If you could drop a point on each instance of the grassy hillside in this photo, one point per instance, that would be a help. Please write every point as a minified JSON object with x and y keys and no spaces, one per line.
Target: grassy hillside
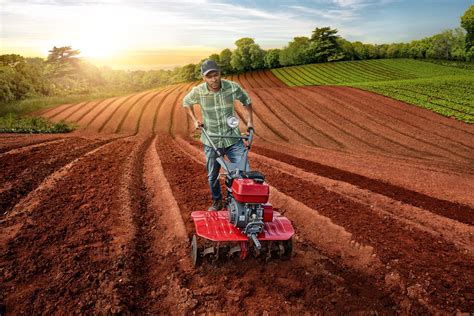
{"x":446,"y":90}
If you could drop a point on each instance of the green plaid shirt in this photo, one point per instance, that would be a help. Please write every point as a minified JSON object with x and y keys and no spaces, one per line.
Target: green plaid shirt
{"x":216,"y":107}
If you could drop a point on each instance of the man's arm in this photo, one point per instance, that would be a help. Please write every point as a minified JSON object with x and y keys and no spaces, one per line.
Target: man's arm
{"x":189,"y":101}
{"x":244,"y":98}
{"x":190,"y":112}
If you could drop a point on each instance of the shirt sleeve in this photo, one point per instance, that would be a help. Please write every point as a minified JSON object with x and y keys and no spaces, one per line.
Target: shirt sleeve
{"x":191,"y":98}
{"x":242,"y":96}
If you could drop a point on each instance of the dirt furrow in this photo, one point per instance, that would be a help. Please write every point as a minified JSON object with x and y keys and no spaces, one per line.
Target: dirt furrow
{"x":165,"y":111}
{"x":261,"y":83}
{"x":146,"y":122}
{"x":264,"y":81}
{"x":275,"y":80}
{"x":412,"y":138}
{"x":83,"y":111}
{"x":450,"y":230}
{"x":180,"y":122}
{"x":298,"y":116}
{"x":332,"y":127}
{"x":101,"y":117}
{"x":21,"y":141}
{"x":353,"y":135}
{"x":456,"y":211}
{"x":160,"y":104}
{"x":277,"y":123}
{"x":68,"y":255}
{"x":53,"y":112}
{"x":262,"y":126}
{"x":288,"y":120}
{"x":442,"y":123}
{"x":430,"y":266}
{"x":22,"y":172}
{"x":64,"y":115}
{"x":383,"y":109}
{"x":111,"y":123}
{"x":129,"y":121}
{"x":159,"y":257}
{"x":87,"y":118}
{"x":432,"y":178}
{"x":241,"y":81}
{"x":248,"y":82}
{"x":356,"y":124}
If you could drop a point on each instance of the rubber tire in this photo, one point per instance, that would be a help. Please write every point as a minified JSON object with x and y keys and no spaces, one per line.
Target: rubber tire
{"x":195,"y":252}
{"x":288,"y":245}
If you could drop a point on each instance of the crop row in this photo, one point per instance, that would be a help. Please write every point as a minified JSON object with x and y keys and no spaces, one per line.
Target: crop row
{"x":342,"y":73}
{"x":450,"y":96}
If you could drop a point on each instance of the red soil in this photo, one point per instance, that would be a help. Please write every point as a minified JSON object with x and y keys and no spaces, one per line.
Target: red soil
{"x":379,"y":192}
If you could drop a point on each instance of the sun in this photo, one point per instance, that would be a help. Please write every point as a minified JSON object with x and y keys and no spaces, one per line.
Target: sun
{"x":104,"y":34}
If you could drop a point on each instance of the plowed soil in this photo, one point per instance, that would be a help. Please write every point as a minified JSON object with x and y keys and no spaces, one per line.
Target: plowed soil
{"x":379,"y":193}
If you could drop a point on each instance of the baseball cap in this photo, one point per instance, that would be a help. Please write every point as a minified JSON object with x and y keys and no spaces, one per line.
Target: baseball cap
{"x":208,"y":66}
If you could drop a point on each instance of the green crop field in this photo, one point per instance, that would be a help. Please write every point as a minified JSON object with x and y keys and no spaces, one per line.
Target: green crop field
{"x":450,"y":96}
{"x":446,"y":90}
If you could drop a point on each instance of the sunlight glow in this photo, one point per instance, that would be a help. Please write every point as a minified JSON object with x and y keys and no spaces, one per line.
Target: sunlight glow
{"x":104,"y":33}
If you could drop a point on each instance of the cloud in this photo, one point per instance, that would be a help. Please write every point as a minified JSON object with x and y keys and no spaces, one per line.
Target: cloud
{"x":327,"y":14}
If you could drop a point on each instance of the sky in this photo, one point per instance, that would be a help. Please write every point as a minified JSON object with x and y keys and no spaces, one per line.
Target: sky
{"x":147,"y":34}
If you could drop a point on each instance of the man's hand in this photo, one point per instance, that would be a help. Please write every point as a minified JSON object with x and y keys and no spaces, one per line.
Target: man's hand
{"x":198,"y":125}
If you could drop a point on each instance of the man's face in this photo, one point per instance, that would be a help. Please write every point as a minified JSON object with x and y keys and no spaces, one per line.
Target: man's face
{"x":213,"y":79}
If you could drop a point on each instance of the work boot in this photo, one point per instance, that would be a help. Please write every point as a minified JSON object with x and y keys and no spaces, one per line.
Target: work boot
{"x":216,"y":205}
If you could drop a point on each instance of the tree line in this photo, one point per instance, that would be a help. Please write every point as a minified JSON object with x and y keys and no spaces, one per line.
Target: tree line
{"x":63,"y":72}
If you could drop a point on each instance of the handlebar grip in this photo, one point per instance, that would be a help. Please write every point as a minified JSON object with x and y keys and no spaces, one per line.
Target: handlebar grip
{"x":250,"y":139}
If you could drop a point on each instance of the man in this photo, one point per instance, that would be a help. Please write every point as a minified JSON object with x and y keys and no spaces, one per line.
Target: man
{"x":216,"y":98}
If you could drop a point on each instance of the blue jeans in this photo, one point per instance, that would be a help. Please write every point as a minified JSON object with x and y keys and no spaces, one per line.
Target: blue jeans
{"x":233,"y":152}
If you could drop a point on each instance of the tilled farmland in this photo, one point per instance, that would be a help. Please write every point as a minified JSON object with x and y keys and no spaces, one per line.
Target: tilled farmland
{"x":379,"y":193}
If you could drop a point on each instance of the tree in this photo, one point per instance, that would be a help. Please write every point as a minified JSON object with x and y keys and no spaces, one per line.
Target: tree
{"x":62,"y":61}
{"x":197,"y":70}
{"x":443,"y":45}
{"x":295,"y":52}
{"x":372,"y":52}
{"x":467,"y":22}
{"x":360,"y":51}
{"x":247,"y":55}
{"x":382,"y":49}
{"x":347,"y":49}
{"x":214,"y":57}
{"x":186,"y":73}
{"x":224,"y":61}
{"x":22,"y":77}
{"x":257,"y":56}
{"x":272,"y":58}
{"x":324,"y":45}
{"x":418,"y":48}
{"x":11,"y":60}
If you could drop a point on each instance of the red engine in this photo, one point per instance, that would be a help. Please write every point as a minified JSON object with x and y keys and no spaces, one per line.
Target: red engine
{"x":249,"y":191}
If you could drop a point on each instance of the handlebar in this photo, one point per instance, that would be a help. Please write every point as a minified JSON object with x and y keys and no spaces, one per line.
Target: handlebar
{"x":248,"y":138}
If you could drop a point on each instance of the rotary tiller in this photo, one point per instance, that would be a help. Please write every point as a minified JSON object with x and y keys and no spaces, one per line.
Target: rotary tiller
{"x":247,"y":224}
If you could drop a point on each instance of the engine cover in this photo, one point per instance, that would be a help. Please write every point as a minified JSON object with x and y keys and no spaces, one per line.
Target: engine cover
{"x":249,"y":191}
